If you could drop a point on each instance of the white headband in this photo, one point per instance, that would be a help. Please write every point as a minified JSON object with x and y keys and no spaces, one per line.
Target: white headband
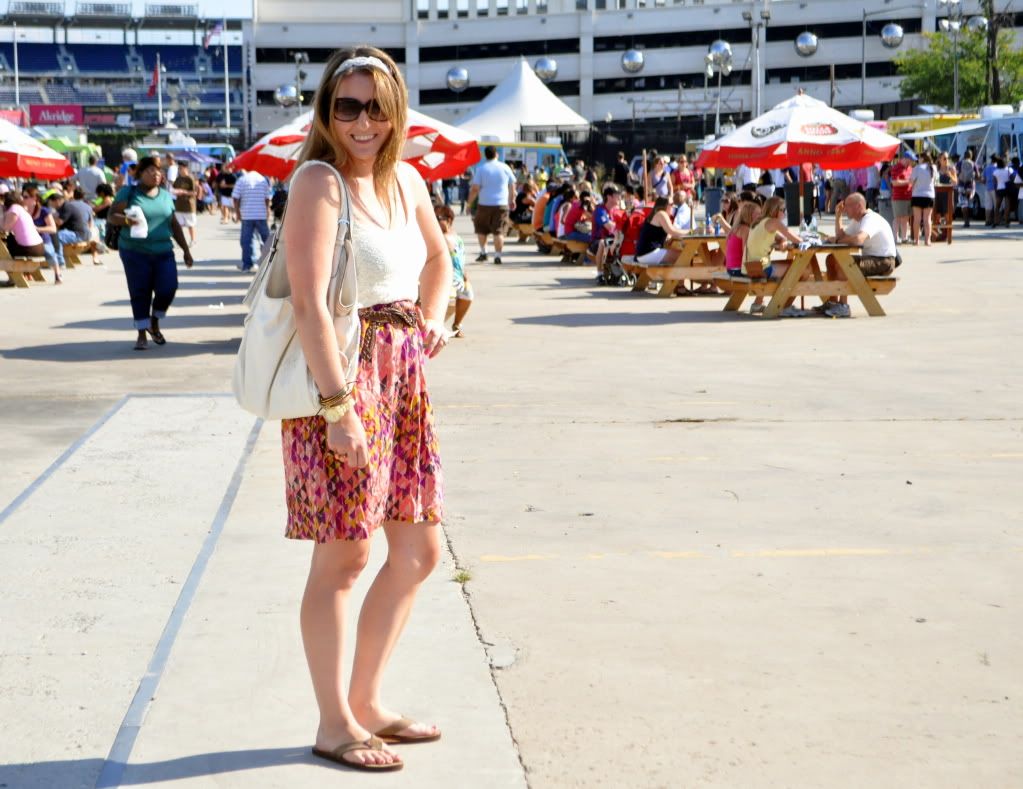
{"x":362,"y":62}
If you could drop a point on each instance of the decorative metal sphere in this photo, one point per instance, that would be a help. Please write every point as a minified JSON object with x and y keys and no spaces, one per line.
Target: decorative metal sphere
{"x":287,"y":96}
{"x":977,"y":24}
{"x":632,"y":61}
{"x":892,"y":35}
{"x":720,"y":51}
{"x":806,"y":44}
{"x":458,"y":78}
{"x":546,"y":69}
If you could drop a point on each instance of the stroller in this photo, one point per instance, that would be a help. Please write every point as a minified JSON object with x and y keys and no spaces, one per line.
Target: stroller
{"x":612,"y":272}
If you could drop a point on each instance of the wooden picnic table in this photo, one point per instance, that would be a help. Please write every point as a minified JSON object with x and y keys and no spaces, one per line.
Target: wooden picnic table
{"x":696,"y":261}
{"x":791,"y":284}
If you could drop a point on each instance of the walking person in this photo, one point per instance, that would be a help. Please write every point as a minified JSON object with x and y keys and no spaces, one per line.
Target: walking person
{"x":186,"y":196}
{"x":494,"y":184}
{"x":91,"y":177}
{"x":149,"y":264}
{"x":252,"y":195}
{"x":462,"y":289}
{"x":370,"y":459}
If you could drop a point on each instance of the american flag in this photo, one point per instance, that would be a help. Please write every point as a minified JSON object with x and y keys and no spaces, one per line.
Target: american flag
{"x":216,"y":30}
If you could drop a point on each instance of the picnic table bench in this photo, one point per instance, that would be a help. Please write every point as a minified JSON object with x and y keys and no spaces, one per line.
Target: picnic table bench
{"x":526,"y":231}
{"x":791,"y":285}
{"x":21,"y":269}
{"x":701,"y":257}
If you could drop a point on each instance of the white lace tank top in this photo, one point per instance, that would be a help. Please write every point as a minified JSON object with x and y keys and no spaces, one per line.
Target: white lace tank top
{"x":388,"y":261}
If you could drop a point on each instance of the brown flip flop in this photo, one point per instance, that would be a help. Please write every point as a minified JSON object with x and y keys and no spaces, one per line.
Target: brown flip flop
{"x":372,"y":744}
{"x":390,"y":734}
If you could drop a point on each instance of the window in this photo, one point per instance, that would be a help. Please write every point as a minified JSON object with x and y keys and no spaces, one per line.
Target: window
{"x":422,"y":9}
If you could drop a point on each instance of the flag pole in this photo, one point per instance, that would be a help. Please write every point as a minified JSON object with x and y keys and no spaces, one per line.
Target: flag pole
{"x":159,"y":93}
{"x":227,"y":84}
{"x":17,"y":76}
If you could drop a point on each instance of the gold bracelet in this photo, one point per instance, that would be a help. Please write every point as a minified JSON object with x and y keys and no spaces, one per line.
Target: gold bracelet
{"x":337,"y":399}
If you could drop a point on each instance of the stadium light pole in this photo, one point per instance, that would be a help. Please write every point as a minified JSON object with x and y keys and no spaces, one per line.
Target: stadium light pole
{"x":863,"y":43}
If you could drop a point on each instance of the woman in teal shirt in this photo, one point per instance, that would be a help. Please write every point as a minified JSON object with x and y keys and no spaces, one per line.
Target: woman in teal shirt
{"x":149,"y":263}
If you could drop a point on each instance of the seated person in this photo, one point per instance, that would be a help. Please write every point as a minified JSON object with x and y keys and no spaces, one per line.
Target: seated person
{"x":604,"y":225}
{"x":577,"y":224}
{"x":735,"y":244}
{"x":656,"y":229}
{"x":524,"y":202}
{"x":869,"y":231}
{"x":768,"y":233}
{"x":682,"y":211}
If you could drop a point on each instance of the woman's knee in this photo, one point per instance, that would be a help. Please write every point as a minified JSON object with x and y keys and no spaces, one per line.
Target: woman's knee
{"x":339,"y":564}
{"x":415,"y":559}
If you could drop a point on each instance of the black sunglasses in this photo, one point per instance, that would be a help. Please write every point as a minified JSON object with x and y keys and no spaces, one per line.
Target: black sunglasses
{"x":347,"y":109}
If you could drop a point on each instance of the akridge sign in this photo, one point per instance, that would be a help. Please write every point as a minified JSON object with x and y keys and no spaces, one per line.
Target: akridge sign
{"x":55,"y":114}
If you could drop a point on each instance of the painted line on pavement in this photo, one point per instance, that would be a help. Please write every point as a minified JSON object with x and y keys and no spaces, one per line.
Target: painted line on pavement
{"x":117,"y":760}
{"x":33,"y":486}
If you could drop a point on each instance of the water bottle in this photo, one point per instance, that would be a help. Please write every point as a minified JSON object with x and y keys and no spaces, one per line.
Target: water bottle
{"x":706,"y":224}
{"x":813,"y":223}
{"x":803,"y":227}
{"x":717,"y":228}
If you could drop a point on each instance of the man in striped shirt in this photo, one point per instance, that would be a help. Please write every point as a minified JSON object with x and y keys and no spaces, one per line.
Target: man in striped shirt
{"x":252,"y":203}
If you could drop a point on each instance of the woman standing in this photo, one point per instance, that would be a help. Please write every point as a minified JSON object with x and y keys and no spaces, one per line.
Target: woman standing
{"x":149,"y":262}
{"x":370,"y":459}
{"x":922,"y":182}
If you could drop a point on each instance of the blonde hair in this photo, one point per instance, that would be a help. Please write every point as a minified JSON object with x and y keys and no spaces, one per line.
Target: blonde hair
{"x":392,"y":96}
{"x":772,"y":205}
{"x":745,"y":214}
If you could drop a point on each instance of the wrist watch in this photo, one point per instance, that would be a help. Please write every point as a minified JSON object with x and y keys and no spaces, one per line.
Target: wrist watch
{"x":334,"y":413}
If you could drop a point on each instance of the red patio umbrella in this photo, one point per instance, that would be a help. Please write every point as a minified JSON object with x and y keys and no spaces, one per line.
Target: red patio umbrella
{"x":22,"y":156}
{"x":435,"y":149}
{"x":799,"y":130}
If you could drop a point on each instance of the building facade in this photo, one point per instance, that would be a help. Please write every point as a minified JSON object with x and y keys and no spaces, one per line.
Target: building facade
{"x":587,"y":39}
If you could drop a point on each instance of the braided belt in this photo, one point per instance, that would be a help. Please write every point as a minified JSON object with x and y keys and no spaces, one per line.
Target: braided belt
{"x":399,"y":313}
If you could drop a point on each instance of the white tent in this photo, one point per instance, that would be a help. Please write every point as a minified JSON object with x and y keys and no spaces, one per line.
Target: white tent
{"x":520,"y":99}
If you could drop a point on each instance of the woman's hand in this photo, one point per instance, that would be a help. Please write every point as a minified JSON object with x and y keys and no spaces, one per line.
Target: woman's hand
{"x":188,"y":259}
{"x":346,"y":438}
{"x":435,"y":336}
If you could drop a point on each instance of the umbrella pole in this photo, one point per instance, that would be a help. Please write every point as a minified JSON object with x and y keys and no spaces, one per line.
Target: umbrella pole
{"x":646,"y":179}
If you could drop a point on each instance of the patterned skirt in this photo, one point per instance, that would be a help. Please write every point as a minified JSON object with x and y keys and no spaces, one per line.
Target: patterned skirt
{"x":328,"y":499}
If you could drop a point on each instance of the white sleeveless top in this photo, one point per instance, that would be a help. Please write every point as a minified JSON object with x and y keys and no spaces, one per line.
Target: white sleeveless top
{"x":388,"y":262}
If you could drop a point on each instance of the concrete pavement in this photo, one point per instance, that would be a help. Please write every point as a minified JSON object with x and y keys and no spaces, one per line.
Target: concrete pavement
{"x":706,"y":550}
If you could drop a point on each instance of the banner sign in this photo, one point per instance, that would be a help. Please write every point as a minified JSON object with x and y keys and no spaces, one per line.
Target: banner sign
{"x":103,"y":116}
{"x":17,"y":117}
{"x":55,"y":114}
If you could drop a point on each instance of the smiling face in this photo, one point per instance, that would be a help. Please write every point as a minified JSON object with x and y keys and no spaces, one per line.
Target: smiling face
{"x":362,"y":137}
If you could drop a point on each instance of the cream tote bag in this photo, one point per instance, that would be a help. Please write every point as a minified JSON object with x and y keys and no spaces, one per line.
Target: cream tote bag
{"x":271,"y":378}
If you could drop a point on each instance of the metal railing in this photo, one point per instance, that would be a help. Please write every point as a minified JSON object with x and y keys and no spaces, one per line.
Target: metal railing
{"x":103,"y":9}
{"x":172,"y":10}
{"x":22,"y":7}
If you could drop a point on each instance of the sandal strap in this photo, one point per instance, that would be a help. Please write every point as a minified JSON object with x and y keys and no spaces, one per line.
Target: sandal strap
{"x":394,"y":728}
{"x":374,"y":743}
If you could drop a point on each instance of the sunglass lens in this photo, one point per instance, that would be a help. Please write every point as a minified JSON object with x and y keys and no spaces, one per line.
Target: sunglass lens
{"x":350,"y":109}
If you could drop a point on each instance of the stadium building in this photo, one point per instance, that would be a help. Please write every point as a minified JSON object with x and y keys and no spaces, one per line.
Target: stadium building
{"x":636,"y":68}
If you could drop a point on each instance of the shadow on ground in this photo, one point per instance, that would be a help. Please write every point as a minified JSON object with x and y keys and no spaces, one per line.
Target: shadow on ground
{"x":84,"y":772}
{"x":111,"y":350}
{"x":631,"y":319}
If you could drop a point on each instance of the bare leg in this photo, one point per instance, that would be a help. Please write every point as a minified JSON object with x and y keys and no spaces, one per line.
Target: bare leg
{"x":498,"y":243}
{"x":461,"y":308}
{"x":482,"y":238}
{"x":925,"y":215}
{"x":413,"y":550}
{"x":917,"y":219}
{"x":335,"y":567}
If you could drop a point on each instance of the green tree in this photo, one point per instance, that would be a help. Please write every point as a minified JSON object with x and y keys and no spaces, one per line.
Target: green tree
{"x":927,"y":73}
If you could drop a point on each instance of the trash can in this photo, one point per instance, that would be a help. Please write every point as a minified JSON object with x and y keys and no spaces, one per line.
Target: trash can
{"x":792,"y":203}
{"x":712,"y":200}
